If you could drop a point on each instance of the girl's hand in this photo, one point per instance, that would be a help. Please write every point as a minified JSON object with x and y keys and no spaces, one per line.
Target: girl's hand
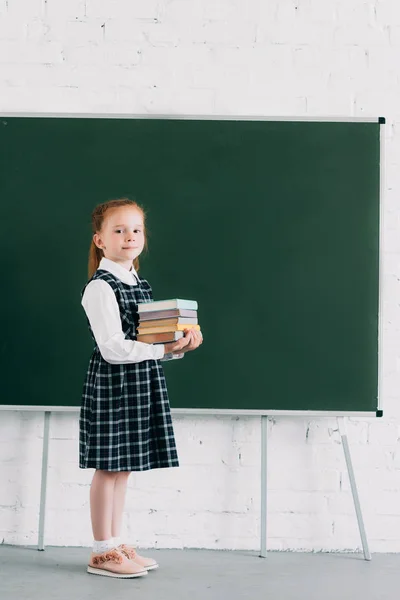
{"x":178,"y":346}
{"x":190,"y":341}
{"x":195,"y":339}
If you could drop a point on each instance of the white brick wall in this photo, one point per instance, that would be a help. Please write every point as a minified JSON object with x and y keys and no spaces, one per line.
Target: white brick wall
{"x":281,"y":57}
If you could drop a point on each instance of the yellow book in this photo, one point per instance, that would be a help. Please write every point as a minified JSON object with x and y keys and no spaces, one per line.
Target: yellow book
{"x":177,"y":327}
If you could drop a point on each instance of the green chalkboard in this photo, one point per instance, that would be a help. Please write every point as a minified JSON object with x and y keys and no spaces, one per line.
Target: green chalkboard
{"x":272,"y":226}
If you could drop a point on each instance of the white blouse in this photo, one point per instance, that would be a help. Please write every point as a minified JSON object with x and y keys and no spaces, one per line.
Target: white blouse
{"x":102,"y":310}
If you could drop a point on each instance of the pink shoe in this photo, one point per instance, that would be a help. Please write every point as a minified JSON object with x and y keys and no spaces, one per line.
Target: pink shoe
{"x":130,"y":552}
{"x":114,"y":563}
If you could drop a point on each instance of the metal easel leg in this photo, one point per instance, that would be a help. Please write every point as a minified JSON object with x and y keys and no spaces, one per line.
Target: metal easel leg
{"x":45,"y":457}
{"x":345,"y":442}
{"x":264,"y":424}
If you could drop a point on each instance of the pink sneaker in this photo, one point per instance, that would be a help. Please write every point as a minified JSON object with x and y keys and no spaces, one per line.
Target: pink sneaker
{"x":130,"y":552}
{"x":114,"y":563}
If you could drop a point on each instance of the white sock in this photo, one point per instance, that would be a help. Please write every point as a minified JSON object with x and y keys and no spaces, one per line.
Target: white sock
{"x":117,"y":541}
{"x":103,"y":546}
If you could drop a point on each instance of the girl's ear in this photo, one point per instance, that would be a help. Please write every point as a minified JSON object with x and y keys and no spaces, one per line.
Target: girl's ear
{"x":97,"y":241}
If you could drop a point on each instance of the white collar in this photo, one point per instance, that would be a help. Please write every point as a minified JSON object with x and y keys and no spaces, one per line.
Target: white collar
{"x":119,"y":271}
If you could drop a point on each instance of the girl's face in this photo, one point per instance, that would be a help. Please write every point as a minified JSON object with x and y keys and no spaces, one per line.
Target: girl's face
{"x":122,"y":235}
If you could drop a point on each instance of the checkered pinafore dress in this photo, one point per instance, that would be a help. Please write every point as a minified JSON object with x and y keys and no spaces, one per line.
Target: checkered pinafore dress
{"x":125,"y":420}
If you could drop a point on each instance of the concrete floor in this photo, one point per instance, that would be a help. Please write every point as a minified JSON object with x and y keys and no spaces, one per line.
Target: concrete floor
{"x":60,"y":574}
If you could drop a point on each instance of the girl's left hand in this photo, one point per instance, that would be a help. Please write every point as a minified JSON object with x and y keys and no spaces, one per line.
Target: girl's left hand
{"x":195,"y":338}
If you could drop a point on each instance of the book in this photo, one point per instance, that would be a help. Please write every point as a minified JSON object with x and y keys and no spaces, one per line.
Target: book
{"x":160,"y":338}
{"x":167,"y":328}
{"x":166,"y":314}
{"x":167,"y":305}
{"x":165,"y":322}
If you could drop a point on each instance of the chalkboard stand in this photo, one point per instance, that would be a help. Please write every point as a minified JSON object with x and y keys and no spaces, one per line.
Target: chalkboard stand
{"x":264,"y":425}
{"x":356,"y":500}
{"x":43,"y":489}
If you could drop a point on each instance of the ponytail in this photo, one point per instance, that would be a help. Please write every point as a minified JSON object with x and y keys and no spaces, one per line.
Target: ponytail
{"x":95,"y":256}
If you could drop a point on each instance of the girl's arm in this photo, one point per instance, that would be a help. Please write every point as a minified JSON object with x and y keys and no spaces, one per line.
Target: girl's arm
{"x":102,"y":310}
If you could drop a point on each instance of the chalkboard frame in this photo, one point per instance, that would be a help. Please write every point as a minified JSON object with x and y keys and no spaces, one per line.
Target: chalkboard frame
{"x":244,"y":412}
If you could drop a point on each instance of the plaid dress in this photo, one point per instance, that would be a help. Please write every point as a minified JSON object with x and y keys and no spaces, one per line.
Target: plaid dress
{"x":125,"y":420}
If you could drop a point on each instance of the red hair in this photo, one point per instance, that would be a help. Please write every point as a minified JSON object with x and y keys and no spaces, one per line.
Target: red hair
{"x":99,"y":214}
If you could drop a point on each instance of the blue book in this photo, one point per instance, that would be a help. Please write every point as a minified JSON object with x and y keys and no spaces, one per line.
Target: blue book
{"x":167,"y":305}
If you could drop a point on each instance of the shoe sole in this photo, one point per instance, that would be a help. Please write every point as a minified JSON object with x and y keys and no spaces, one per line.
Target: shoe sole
{"x":106,"y":573}
{"x":152,"y":567}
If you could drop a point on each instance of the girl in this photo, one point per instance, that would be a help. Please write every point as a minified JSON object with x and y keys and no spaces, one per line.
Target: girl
{"x":125,"y":421}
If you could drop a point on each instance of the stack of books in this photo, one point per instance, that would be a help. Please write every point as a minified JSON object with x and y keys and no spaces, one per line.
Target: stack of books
{"x":163,"y":321}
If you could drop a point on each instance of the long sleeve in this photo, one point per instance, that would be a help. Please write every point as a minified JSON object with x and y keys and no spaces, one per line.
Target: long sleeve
{"x":102,"y":310}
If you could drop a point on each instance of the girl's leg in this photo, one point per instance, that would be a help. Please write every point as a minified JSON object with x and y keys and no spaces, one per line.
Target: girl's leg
{"x":120,"y":486}
{"x":101,"y":503}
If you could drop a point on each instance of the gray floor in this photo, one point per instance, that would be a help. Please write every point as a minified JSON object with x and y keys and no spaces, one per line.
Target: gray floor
{"x":60,"y":574}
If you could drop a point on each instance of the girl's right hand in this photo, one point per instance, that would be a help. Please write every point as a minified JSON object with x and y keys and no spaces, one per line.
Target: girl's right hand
{"x":178,"y":346}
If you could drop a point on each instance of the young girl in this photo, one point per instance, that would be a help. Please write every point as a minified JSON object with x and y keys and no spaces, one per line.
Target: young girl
{"x":125,"y":419}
